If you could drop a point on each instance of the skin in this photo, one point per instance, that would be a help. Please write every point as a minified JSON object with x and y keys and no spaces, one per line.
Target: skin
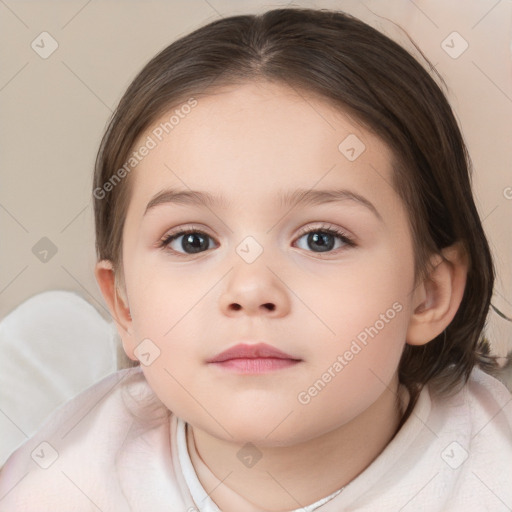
{"x":248,"y":143}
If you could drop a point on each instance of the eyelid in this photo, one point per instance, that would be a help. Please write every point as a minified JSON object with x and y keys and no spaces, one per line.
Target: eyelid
{"x":169,"y":236}
{"x":323,"y":226}
{"x":347,"y":239}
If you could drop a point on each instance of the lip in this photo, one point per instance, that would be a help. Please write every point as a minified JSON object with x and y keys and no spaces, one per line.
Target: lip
{"x":246,"y":351}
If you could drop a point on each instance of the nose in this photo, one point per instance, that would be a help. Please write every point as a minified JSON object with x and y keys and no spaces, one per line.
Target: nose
{"x":254,"y":290}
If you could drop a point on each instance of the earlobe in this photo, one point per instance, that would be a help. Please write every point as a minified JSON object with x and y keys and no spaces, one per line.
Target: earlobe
{"x":117,"y":304}
{"x":437,"y":299}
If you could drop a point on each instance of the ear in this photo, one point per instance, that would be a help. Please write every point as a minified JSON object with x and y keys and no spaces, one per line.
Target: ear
{"x":437,"y":299}
{"x":117,"y":304}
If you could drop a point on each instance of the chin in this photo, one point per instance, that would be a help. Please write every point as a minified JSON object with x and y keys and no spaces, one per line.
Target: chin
{"x":262,"y":431}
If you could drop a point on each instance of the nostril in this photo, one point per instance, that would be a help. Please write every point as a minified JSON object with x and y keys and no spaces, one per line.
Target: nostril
{"x":268,"y":305}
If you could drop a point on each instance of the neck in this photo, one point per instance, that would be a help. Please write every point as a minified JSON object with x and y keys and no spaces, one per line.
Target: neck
{"x":290,"y":477}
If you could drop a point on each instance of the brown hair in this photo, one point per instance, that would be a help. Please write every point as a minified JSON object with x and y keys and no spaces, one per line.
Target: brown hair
{"x":368,"y":76}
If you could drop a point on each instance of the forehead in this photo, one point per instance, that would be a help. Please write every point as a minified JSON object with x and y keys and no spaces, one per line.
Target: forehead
{"x":243,"y":142}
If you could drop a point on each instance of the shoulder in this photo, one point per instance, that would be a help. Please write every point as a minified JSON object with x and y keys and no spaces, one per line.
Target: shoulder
{"x":483,"y":400}
{"x":480,"y":414}
{"x":490,"y":403}
{"x":79,"y":445}
{"x":478,"y":438}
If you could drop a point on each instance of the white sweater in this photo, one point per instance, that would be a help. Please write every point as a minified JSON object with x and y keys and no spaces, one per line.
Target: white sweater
{"x":115,"y":447}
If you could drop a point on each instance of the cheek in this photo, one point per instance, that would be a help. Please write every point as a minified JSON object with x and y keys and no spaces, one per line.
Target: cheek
{"x":164,"y":297}
{"x":355,"y":370}
{"x":370,"y":289}
{"x":367,"y":310}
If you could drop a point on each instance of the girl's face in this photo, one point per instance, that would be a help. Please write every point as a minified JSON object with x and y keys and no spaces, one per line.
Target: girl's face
{"x":261,"y":267}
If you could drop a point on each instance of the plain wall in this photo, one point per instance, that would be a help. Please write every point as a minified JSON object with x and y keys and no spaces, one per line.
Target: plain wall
{"x":54,"y":110}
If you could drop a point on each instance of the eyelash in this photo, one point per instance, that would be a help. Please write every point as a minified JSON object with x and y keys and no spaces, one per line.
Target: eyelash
{"x":324,"y":228}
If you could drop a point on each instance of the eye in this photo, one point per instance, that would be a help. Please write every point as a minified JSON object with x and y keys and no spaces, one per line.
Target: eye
{"x":324,"y":239}
{"x":193,"y":241}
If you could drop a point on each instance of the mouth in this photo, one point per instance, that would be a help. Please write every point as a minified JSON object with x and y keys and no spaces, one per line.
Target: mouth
{"x":253,"y":359}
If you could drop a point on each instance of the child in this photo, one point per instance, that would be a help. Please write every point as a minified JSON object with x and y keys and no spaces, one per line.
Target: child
{"x":288,"y":244}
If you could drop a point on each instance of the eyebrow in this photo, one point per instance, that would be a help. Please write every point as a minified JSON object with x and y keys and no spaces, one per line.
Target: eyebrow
{"x":299,"y":197}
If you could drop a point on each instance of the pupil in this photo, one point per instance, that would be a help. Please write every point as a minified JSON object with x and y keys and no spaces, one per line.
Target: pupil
{"x":195,"y":245}
{"x":322,"y":240}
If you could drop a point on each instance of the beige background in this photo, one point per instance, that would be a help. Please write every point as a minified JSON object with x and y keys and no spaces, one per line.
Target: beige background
{"x":54,"y":111}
